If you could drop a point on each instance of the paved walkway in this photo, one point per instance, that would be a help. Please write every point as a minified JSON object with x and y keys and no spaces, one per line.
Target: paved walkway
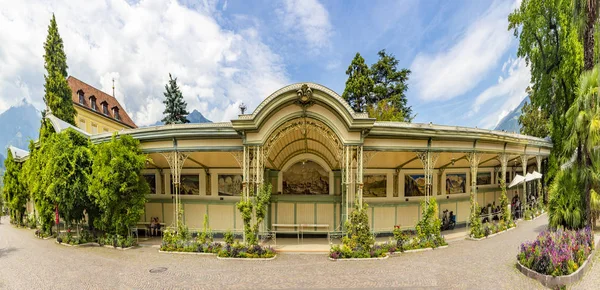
{"x":29,"y":263}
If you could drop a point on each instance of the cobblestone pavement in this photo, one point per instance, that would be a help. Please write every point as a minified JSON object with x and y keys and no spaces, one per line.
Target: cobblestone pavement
{"x":30,"y":263}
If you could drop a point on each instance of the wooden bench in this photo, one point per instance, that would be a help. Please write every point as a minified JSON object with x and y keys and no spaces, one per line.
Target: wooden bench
{"x":295,"y":228}
{"x":303,"y":228}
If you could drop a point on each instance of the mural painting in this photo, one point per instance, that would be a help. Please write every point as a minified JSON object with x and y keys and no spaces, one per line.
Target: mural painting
{"x":151,"y":180}
{"x":414,"y":185}
{"x":456,"y":183}
{"x":306,"y":178}
{"x":375,"y":185}
{"x":230,"y":184}
{"x":484,"y":178}
{"x":190,"y":184}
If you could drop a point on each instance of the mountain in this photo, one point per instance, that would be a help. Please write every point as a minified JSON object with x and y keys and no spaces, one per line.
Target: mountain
{"x":197,"y":117}
{"x":510,"y":123}
{"x":18,"y":125}
{"x":193,"y":117}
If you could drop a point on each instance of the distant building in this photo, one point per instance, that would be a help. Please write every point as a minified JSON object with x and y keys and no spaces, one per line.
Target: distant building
{"x":97,"y":111}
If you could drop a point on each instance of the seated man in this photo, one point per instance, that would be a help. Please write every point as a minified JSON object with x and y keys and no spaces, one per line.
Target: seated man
{"x":152,"y":226}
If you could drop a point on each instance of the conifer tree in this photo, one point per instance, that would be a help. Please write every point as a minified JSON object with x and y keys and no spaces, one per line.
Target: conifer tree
{"x":359,"y":84}
{"x":175,"y":107}
{"x":57,"y":93}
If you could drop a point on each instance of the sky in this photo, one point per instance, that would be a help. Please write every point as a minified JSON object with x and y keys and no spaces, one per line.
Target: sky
{"x":462,"y":57}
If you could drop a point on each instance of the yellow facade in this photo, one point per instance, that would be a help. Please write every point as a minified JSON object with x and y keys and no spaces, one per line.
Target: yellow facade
{"x":94,"y":123}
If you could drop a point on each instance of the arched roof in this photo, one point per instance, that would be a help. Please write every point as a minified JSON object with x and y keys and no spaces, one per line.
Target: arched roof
{"x":291,"y":94}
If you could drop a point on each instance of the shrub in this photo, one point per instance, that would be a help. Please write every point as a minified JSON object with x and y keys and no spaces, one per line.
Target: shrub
{"x":254,"y":210}
{"x":238,"y":250}
{"x":228,"y":237}
{"x":557,"y":253}
{"x":428,"y":229}
{"x":206,"y":232}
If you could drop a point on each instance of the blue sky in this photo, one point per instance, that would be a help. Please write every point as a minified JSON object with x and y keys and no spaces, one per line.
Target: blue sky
{"x":463,"y":58}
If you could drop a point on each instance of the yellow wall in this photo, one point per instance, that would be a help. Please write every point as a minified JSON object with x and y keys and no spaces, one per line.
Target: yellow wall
{"x":86,"y":120}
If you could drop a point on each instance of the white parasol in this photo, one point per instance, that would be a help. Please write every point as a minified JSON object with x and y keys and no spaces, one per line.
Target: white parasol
{"x":517,"y":180}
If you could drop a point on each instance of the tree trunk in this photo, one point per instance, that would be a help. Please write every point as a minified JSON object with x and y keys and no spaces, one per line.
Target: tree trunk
{"x":588,"y":34}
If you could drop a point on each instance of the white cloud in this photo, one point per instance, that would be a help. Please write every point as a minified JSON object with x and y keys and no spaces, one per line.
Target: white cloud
{"x":307,"y":19}
{"x":511,"y":89}
{"x":139,"y":45}
{"x":447,"y":74}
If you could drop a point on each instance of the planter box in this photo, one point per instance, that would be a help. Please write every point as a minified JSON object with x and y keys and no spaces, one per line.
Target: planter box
{"x":359,"y":259}
{"x":501,"y":232}
{"x":248,"y":259}
{"x":555,"y":282}
{"x":187,"y":253}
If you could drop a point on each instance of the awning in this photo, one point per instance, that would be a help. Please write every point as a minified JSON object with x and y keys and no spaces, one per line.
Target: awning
{"x":517,"y":180}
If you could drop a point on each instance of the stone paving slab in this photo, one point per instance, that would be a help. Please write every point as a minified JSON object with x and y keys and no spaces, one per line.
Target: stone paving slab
{"x":30,"y":263}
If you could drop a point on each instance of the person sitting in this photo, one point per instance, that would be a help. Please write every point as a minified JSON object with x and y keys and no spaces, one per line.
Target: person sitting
{"x":157,"y":226}
{"x":152,"y":226}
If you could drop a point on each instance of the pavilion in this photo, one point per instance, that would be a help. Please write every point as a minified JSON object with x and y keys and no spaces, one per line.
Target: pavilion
{"x":321,"y":157}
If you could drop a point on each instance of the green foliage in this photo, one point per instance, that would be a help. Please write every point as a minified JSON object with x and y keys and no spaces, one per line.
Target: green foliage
{"x":476,"y":230}
{"x":548,"y":40}
{"x":57,"y":93}
{"x":379,"y":90}
{"x":533,"y":121}
{"x":175,"y":106}
{"x":206,"y":234}
{"x":506,"y":216}
{"x":390,"y":86}
{"x":429,"y":227}
{"x":228,"y":238}
{"x":583,"y":125}
{"x":565,"y":207}
{"x":257,"y":205}
{"x":117,"y":186}
{"x":237,"y":250}
{"x":14,"y":190}
{"x":359,"y":84}
{"x":383,"y":111}
{"x":67,"y":173}
{"x":358,"y":233}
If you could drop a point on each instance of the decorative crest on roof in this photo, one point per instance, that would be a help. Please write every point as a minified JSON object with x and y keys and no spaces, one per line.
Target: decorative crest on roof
{"x":304,"y":96}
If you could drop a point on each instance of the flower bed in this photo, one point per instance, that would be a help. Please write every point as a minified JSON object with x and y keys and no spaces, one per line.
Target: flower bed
{"x":345,"y":252}
{"x":237,"y":250}
{"x":557,"y":253}
{"x":491,"y":229}
{"x":191,"y":246}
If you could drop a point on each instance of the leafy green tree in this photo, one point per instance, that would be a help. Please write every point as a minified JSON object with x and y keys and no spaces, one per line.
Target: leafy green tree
{"x":66,"y":173}
{"x":584,"y":126}
{"x":359,"y":84}
{"x":533,"y":121}
{"x":390,"y":86}
{"x":57,"y":93}
{"x":36,"y":184}
{"x":175,"y":106}
{"x":117,"y":185}
{"x":549,"y":42}
{"x":384,"y":111}
{"x":14,"y":192}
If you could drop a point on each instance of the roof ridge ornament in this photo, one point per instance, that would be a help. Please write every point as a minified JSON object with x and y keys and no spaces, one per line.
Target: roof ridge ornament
{"x":304,"y":96}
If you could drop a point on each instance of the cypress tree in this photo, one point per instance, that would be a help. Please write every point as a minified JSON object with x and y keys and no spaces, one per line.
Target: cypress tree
{"x":359,"y":84}
{"x":57,"y":93}
{"x":175,"y":107}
